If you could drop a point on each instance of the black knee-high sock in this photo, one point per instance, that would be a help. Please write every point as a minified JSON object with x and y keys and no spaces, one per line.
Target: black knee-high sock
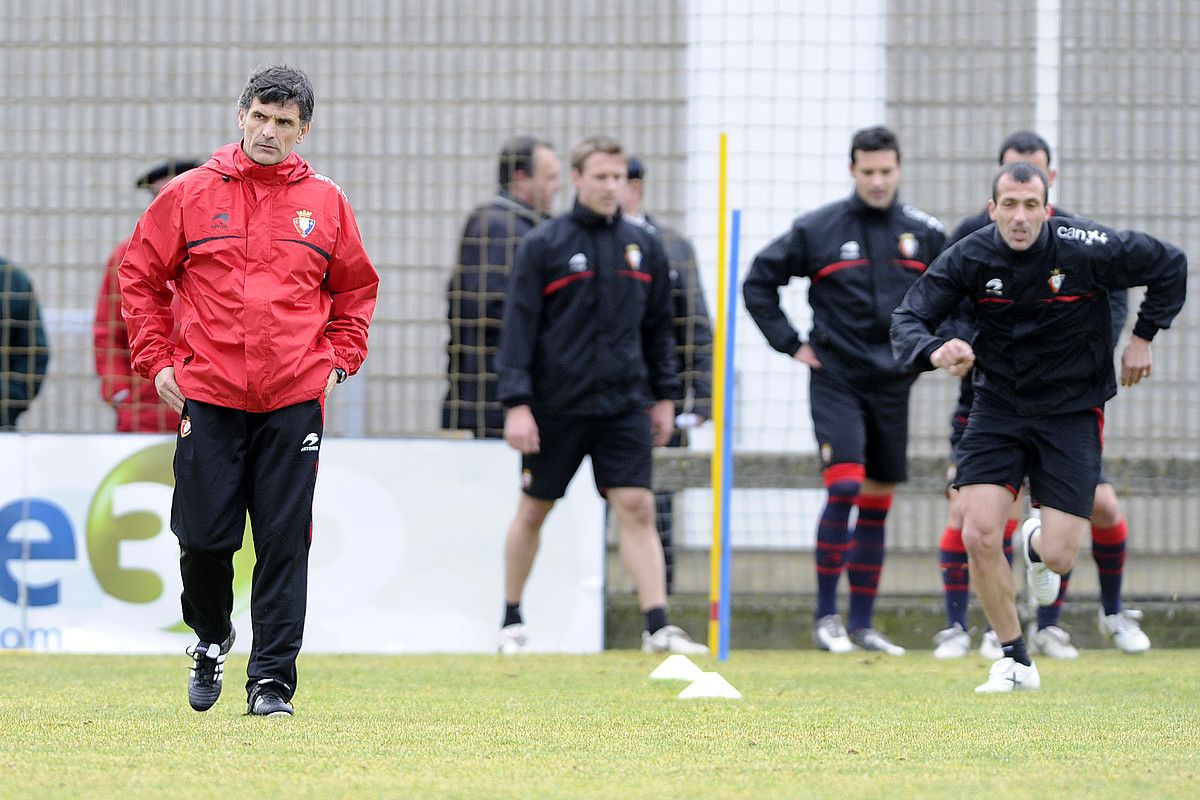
{"x":1017,"y":651}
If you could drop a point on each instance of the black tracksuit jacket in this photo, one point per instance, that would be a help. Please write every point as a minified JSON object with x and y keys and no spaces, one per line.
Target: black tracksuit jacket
{"x":1043,"y":341}
{"x":587,"y":320}
{"x":1118,"y":299}
{"x":859,"y":261}
{"x":475,"y":310}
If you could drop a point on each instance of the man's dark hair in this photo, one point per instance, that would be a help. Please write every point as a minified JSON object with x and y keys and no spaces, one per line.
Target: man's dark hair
{"x":871,"y":140}
{"x":279,"y":84}
{"x":517,"y":154}
{"x":1025,"y":143}
{"x":1021,"y":172}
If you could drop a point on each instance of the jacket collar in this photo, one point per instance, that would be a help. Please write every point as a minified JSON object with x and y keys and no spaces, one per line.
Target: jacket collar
{"x":231,"y":160}
{"x":857,"y":205}
{"x":523,"y":210}
{"x":590,"y":219}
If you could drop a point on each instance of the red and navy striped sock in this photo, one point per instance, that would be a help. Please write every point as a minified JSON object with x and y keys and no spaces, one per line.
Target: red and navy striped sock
{"x":865,"y":563}
{"x":1108,"y":549}
{"x":833,"y":539}
{"x":956,"y":580}
{"x":1051,"y":614}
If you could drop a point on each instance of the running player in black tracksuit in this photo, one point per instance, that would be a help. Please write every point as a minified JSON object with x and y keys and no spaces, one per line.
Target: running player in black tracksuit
{"x":860,"y":255}
{"x":1108,"y":526}
{"x":1042,"y":354}
{"x":585,"y":349}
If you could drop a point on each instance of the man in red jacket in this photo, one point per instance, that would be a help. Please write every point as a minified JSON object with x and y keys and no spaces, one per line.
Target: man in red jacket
{"x":275,"y":295}
{"x":135,"y":399}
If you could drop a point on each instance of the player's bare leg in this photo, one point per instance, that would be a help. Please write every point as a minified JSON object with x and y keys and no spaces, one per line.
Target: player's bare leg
{"x":985,"y":509}
{"x":641,"y":552}
{"x":1059,"y":538}
{"x":639,"y":544}
{"x":521,"y":544}
{"x":1106,"y":510}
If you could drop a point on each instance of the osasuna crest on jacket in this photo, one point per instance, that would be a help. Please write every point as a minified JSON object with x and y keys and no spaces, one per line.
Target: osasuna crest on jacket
{"x":274,"y":287}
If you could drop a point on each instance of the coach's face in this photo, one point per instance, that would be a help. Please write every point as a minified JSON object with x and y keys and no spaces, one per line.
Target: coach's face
{"x":600,"y":184}
{"x":1019,"y":211}
{"x":271,"y":131}
{"x":545,"y":180}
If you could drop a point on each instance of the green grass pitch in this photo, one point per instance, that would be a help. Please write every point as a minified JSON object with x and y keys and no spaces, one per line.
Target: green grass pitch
{"x":809,"y":725}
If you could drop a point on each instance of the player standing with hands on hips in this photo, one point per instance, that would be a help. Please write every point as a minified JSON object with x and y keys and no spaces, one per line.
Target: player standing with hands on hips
{"x":1043,"y":371}
{"x":859,"y":255}
{"x":275,"y":297}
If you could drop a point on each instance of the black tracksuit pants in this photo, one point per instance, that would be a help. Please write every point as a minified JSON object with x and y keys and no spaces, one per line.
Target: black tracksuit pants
{"x":230,"y":463}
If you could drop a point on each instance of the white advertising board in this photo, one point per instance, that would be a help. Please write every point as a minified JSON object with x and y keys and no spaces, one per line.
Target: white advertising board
{"x":407,"y":553}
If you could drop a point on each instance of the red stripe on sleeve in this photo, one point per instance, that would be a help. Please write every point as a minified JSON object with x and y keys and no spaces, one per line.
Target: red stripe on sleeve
{"x":554,"y":286}
{"x":837,"y":266}
{"x":1067,"y":298}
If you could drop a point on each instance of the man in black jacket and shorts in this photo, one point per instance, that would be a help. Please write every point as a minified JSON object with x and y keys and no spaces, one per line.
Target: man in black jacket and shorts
{"x":1109,"y":529}
{"x":587,"y":368}
{"x":859,"y":255}
{"x":1043,"y":371}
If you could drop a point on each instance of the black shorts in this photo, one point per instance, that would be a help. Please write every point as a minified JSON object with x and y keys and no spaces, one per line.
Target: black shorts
{"x":958,"y":419}
{"x":856,"y":425}
{"x":619,"y":447}
{"x":958,"y":425}
{"x":1059,"y":452}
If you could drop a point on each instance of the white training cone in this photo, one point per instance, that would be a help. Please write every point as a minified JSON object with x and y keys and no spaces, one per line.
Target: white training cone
{"x":710,"y":684}
{"x":676,"y":668}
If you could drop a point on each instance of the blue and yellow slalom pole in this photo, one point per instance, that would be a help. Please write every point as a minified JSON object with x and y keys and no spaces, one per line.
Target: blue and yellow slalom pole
{"x":716,"y":645}
{"x":721,"y":476}
{"x":727,"y":406}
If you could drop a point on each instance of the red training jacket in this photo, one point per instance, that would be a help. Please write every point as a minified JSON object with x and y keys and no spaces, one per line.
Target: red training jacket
{"x":274,"y":287}
{"x":139,"y":408}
